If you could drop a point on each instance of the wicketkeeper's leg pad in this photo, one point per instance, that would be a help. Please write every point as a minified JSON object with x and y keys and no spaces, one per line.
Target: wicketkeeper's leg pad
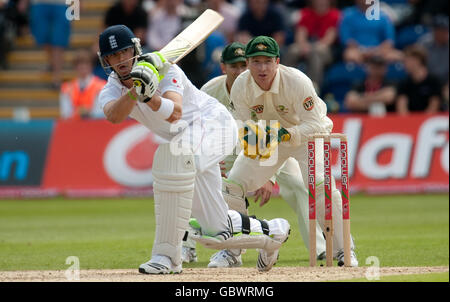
{"x":174,"y":177}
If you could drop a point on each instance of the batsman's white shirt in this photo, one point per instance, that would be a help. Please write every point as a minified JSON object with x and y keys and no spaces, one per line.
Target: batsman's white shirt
{"x":208,"y":128}
{"x":196,"y":104}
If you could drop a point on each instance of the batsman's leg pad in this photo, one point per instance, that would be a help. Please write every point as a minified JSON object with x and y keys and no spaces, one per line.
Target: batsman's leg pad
{"x":173,"y":186}
{"x":234,"y":195}
{"x":247,"y":233}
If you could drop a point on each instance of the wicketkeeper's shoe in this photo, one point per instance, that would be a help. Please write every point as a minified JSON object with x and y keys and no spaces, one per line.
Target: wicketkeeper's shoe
{"x":353,"y":259}
{"x":160,"y":264}
{"x":225,"y":258}
{"x":267,"y":258}
{"x":188,"y":254}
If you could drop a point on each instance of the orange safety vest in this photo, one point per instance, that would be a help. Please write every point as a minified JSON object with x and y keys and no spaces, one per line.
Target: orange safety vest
{"x":82,"y":99}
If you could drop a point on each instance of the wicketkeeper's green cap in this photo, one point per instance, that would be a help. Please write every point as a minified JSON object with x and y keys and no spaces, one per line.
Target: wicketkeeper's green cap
{"x":262,"y":46}
{"x":233,"y":53}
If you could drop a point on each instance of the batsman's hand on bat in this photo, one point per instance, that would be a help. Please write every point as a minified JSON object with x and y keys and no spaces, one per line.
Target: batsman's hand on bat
{"x":158,"y":60}
{"x":145,"y":79}
{"x":264,"y":193}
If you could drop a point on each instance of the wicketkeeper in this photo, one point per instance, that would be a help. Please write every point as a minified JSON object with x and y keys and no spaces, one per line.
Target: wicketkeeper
{"x":279,"y":108}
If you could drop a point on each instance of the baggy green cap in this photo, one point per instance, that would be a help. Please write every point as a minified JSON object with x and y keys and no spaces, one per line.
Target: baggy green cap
{"x":233,"y":53}
{"x":262,"y":46}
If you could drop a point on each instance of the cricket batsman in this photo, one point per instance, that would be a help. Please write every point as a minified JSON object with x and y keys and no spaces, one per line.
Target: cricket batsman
{"x":292,"y":189}
{"x":283,"y":102}
{"x":187,"y":180}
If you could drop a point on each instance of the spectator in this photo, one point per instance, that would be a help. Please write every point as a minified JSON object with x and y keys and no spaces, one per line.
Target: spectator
{"x":375,"y":95}
{"x":436,"y":44}
{"x":131,"y":14}
{"x":51,"y":30}
{"x":6,"y":33}
{"x":165,"y":23}
{"x":315,"y":34}
{"x":362,"y":37}
{"x":421,"y":91}
{"x":422,"y":11}
{"x":230,"y":14}
{"x":20,"y":16}
{"x":445,"y":97}
{"x":261,"y":19}
{"x":78,"y":98}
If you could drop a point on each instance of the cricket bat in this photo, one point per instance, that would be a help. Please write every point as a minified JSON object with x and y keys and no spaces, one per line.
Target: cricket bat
{"x":192,"y":36}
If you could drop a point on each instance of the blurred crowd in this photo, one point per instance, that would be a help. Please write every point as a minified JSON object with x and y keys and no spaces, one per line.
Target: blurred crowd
{"x":363,"y":56}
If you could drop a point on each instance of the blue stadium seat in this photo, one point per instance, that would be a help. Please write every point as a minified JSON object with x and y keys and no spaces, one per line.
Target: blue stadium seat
{"x":409,"y":35}
{"x":396,"y":72}
{"x":339,"y":79}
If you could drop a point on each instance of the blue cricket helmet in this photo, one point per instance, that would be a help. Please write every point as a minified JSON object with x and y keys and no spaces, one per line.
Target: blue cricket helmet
{"x":116,"y":38}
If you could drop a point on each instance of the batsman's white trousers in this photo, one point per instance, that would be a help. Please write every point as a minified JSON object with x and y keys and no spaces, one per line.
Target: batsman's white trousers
{"x":211,"y":139}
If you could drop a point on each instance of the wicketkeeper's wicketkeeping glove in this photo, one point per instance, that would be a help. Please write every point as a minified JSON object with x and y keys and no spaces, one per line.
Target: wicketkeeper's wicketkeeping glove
{"x":290,"y":136}
{"x":145,"y":79}
{"x":259,"y":142}
{"x":248,"y":137}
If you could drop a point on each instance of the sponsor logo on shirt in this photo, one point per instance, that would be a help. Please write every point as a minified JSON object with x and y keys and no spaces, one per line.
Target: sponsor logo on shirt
{"x":174,"y":81}
{"x":282,"y":109}
{"x":258,"y":109}
{"x":308,"y":103}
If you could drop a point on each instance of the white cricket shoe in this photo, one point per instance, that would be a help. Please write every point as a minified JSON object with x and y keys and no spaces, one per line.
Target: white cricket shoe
{"x":188,"y":254}
{"x":159,"y":264}
{"x":225,"y":258}
{"x":353,"y":259}
{"x":267,"y":258}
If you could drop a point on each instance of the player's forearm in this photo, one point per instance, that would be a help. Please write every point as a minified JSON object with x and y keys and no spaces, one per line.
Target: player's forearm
{"x":170,"y":112}
{"x":305,"y":129}
{"x":118,"y":111}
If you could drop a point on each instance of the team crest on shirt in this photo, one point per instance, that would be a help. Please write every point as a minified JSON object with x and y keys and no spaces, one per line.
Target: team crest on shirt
{"x":308,"y":103}
{"x":258,"y":109}
{"x":282,"y":109}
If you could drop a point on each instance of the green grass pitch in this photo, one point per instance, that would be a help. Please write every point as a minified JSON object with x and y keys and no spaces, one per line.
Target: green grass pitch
{"x":400,"y":230}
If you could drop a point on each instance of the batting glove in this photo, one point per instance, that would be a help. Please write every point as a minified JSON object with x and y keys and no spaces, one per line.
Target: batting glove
{"x":145,"y":79}
{"x":158,"y":60}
